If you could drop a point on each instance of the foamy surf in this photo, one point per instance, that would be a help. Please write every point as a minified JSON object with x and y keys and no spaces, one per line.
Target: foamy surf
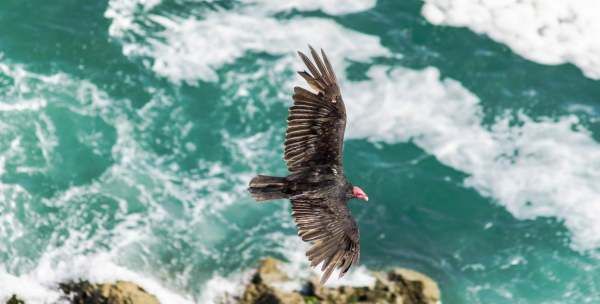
{"x":41,"y":284}
{"x":535,"y":168}
{"x":176,"y":211}
{"x":516,"y":165}
{"x":547,"y":32}
{"x":332,"y":7}
{"x":26,"y":288}
{"x":226,"y":288}
{"x":174,"y":50}
{"x":83,"y":245}
{"x":37,"y":281}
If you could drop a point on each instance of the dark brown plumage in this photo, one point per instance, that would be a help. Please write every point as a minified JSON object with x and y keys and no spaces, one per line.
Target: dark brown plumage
{"x":316,"y":186}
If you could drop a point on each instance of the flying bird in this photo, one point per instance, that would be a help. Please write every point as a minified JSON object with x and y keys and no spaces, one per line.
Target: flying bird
{"x":316,"y":185}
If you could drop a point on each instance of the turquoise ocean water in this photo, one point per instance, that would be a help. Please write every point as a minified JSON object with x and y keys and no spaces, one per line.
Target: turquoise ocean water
{"x":129,"y":131}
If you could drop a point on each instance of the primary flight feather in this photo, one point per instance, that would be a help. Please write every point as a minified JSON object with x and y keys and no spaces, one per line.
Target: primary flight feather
{"x":316,"y":186}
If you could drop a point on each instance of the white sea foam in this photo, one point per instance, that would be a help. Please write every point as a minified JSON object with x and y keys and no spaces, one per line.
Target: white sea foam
{"x":506,"y":162}
{"x":220,"y":288}
{"x":224,"y":289}
{"x":235,"y":34}
{"x":11,"y":229}
{"x":100,"y":269}
{"x":26,"y":288}
{"x":294,"y":250}
{"x":40,"y":285}
{"x":29,"y":105}
{"x":332,"y":7}
{"x":184,"y":51}
{"x":548,"y":32}
{"x":69,"y":262}
{"x":535,"y":168}
{"x":137,"y":179}
{"x":123,"y":14}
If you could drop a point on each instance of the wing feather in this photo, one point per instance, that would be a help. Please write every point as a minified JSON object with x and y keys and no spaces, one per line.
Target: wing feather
{"x":315,"y":77}
{"x":329,"y":68}
{"x":324,"y":77}
{"x":332,"y":231}
{"x":313,"y":153}
{"x":316,"y":121}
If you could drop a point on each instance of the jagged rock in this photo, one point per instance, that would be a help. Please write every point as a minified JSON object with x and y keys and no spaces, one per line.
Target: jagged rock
{"x":262,"y":289}
{"x":398,"y":286}
{"x":15,"y":300}
{"x":421,"y":288}
{"x":120,"y":292}
{"x":269,"y":272}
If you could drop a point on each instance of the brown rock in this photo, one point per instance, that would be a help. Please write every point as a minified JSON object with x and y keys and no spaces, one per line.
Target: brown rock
{"x":120,"y":292}
{"x":262,"y":289}
{"x":269,"y":272}
{"x":422,"y":288}
{"x":399,"y":286}
{"x":14,"y":300}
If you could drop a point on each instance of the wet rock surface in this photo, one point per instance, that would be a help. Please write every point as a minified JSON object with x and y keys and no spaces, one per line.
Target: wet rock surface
{"x":398,"y":286}
{"x":270,"y":284}
{"x":120,"y":292}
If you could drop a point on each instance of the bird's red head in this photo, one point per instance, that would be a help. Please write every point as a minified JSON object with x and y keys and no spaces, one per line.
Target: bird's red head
{"x":359,"y":193}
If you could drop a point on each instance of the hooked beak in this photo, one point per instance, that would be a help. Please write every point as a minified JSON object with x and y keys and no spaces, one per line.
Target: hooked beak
{"x":360,"y":194}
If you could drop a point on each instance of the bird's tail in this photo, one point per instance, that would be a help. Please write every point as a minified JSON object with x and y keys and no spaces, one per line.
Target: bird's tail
{"x":263,"y":188}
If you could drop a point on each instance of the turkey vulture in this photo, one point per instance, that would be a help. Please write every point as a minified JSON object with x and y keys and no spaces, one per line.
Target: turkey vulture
{"x":316,"y":186}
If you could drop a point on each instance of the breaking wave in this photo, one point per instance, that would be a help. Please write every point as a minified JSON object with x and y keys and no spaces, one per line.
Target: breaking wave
{"x":102,"y":228}
{"x":183,"y":52}
{"x":535,"y":168}
{"x":541,"y":167}
{"x":555,"y":32}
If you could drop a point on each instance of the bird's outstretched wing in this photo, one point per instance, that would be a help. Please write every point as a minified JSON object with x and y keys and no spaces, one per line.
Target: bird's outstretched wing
{"x":332,"y":231}
{"x":316,"y":121}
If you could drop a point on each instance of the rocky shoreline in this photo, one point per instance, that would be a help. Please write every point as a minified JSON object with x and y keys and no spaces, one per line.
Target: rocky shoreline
{"x":84,"y":292}
{"x":398,"y":286}
{"x":268,"y":286}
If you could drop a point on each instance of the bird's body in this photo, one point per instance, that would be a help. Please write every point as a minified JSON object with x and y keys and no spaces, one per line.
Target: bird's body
{"x":328,"y":187}
{"x":316,"y":186}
